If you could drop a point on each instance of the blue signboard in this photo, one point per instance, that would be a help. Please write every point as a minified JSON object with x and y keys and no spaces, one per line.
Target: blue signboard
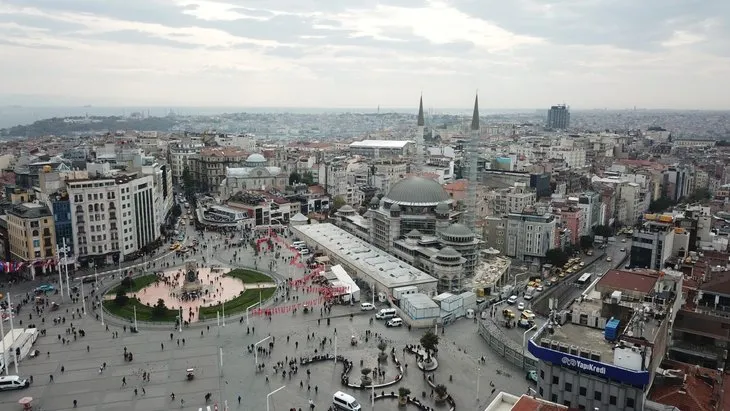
{"x":624,"y":375}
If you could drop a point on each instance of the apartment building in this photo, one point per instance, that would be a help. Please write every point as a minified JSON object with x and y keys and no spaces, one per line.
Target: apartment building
{"x":530,"y":234}
{"x":208,"y":168}
{"x":179,"y":155}
{"x":114,"y":216}
{"x":32,"y":234}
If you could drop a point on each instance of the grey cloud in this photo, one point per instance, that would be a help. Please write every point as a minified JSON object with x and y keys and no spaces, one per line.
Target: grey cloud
{"x":631,"y":24}
{"x":31,"y":45}
{"x":135,"y":37}
{"x":147,"y":11}
{"x":53,"y":26}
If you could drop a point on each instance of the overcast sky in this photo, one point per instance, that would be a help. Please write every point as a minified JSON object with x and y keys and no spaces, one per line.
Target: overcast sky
{"x":362,"y":53}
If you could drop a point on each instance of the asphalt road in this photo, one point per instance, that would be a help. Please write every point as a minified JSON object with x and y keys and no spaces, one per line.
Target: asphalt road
{"x":567,"y":290}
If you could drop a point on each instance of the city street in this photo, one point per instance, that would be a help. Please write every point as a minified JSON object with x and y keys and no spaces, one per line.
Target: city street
{"x":156,"y":353}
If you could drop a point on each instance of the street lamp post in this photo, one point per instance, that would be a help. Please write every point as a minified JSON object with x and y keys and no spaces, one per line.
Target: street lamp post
{"x":65,"y":249}
{"x":335,"y":348}
{"x":135,"y":318}
{"x":224,"y":313}
{"x":249,"y":308}
{"x":59,"y":267}
{"x":12,"y":331}
{"x":272,"y":393}
{"x":179,"y":323}
{"x":524,"y":342}
{"x":479,"y":375}
{"x":2,"y":332}
{"x":83,"y":300}
{"x":255,"y":352}
{"x":96,"y":278}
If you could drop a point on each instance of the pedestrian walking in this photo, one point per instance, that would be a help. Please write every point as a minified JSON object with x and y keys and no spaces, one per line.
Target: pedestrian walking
{"x":124,"y":381}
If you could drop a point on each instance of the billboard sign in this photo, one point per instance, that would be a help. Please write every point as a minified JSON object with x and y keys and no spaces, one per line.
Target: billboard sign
{"x":580,"y":364}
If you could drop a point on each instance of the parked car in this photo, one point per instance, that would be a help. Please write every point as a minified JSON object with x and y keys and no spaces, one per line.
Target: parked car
{"x":512,"y":299}
{"x":521,"y":306}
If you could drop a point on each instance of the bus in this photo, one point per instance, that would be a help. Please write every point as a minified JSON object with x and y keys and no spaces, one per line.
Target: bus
{"x":584,"y":278}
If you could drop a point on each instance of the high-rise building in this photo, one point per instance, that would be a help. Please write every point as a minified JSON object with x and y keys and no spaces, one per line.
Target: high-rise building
{"x":558,"y":117}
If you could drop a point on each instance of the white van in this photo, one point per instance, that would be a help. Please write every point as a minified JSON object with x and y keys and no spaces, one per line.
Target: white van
{"x":385,"y":313}
{"x":366,"y":307}
{"x":394,"y":322}
{"x":343,"y":401}
{"x":13,"y":382}
{"x":299,"y":244}
{"x":512,"y":299}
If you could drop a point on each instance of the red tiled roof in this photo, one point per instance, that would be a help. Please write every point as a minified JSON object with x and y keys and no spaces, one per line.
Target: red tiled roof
{"x":527,"y":403}
{"x":316,"y":189}
{"x":697,"y":389}
{"x":641,"y":281}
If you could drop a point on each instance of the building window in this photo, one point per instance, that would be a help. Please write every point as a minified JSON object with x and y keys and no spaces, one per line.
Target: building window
{"x":554,"y":398}
{"x":597,"y":396}
{"x":566,"y":403}
{"x":542,"y":374}
{"x":556,"y":380}
{"x":541,"y":392}
{"x":36,"y":243}
{"x":583,"y":391}
{"x":568,"y":387}
{"x":629,"y":403}
{"x":612,"y":400}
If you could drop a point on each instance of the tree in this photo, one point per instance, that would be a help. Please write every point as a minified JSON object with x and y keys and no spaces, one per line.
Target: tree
{"x":403,"y":394}
{"x":294,"y":178}
{"x":441,"y":392}
{"x":188,"y":181}
{"x":603,"y":231}
{"x":338,"y":202}
{"x":556,"y":257}
{"x":382,"y":356}
{"x":660,"y":204}
{"x":429,"y":342}
{"x":160,"y":309}
{"x":121,"y":298}
{"x":586,"y":241}
{"x":700,"y":195}
{"x":308,"y":178}
{"x":365,"y":378}
{"x":126,"y":284}
{"x":176,"y":211}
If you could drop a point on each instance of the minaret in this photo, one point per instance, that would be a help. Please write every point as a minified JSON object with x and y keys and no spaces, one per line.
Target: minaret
{"x":420,"y":159}
{"x":472,"y":157}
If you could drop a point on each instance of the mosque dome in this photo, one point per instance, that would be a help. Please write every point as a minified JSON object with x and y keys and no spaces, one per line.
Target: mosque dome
{"x":458,"y":231}
{"x":417,"y":191}
{"x":255,"y":159}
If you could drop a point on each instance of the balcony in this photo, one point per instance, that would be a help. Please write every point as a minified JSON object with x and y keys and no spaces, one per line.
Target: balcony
{"x":112,"y":216}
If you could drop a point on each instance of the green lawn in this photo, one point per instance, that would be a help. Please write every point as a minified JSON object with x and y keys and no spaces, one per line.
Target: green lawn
{"x":250,"y":276}
{"x":144,"y":312}
{"x":139,"y":283}
{"x":238,"y":304}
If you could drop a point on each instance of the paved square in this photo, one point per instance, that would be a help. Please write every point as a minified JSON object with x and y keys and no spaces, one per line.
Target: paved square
{"x":459,"y":350}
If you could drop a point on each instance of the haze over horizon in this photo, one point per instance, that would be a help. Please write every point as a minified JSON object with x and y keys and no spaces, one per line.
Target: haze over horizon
{"x":521,"y":54}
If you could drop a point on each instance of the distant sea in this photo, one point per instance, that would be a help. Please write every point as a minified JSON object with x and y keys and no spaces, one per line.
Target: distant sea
{"x":17,"y":115}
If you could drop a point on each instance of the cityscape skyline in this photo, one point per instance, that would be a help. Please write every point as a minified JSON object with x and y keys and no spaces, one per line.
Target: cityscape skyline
{"x":522,"y":55}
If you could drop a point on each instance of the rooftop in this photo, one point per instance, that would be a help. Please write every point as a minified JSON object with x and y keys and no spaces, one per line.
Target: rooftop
{"x":380,"y":144}
{"x":635,"y":280}
{"x":354,"y":252}
{"x":688,"y":387}
{"x":30,"y":210}
{"x":508,"y":402}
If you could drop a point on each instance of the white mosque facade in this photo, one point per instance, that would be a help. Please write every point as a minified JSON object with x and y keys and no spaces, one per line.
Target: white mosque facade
{"x":256,"y":174}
